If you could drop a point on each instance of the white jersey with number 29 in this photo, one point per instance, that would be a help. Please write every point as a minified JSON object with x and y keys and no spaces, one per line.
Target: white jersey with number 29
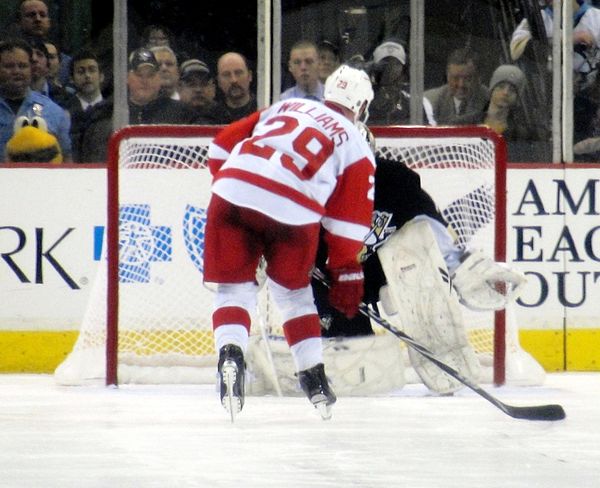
{"x":299,"y":162}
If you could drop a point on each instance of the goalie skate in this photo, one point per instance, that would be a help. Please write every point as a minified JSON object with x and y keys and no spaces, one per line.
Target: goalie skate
{"x":316,"y":387}
{"x":231,"y":379}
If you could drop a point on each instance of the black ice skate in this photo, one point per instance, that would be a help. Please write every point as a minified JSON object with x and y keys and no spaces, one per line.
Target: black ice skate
{"x":316,"y":387}
{"x":231,"y":378}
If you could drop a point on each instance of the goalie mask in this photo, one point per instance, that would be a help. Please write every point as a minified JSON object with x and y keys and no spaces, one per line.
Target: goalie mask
{"x":351,"y":88}
{"x":368,"y":136}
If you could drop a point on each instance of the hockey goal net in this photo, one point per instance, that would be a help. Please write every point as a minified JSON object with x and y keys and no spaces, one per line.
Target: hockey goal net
{"x":149,"y":315}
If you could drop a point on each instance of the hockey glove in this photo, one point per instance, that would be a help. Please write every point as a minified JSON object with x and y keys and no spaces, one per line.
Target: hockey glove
{"x":346,"y":290}
{"x":483,"y":284}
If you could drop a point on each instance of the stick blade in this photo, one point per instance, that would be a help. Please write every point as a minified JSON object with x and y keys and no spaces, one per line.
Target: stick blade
{"x":539,"y":412}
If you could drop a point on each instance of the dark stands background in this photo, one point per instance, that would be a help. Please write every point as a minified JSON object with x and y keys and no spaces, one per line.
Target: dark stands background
{"x":217,"y":27}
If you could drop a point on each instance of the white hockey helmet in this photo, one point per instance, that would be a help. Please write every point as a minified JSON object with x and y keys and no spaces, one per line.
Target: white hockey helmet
{"x":351,"y":88}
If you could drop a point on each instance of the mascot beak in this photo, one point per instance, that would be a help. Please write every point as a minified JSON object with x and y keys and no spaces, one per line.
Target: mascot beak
{"x":33,"y":145}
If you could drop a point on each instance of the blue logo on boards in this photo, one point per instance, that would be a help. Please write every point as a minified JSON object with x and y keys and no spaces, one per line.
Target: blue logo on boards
{"x":194,"y":225}
{"x":141,"y":243}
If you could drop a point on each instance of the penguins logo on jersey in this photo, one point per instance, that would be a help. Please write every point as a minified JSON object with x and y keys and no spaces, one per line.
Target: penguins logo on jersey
{"x":381,"y":229}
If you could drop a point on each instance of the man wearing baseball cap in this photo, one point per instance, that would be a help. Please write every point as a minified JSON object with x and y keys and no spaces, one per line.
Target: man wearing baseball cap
{"x":146,"y":104}
{"x":143,"y":81}
{"x":391,"y":105}
{"x":390,"y":49}
{"x":197,"y":89}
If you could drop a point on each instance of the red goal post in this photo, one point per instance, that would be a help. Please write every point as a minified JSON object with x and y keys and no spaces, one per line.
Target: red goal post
{"x":150,"y":315}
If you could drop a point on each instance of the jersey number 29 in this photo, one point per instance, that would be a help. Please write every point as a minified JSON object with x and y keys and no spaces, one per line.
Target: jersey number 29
{"x":300,"y":144}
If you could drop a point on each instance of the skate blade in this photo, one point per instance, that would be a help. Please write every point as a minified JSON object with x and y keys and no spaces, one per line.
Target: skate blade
{"x":324,"y":409}
{"x":230,"y":402}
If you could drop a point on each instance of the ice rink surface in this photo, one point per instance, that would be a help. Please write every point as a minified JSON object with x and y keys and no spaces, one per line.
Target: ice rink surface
{"x":180,"y":436}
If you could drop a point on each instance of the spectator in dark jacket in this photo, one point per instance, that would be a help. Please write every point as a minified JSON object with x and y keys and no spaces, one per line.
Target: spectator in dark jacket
{"x":40,"y":69}
{"x":87,"y":77}
{"x":463,"y":96}
{"x":234,"y":78}
{"x":505,"y":113}
{"x":197,"y":89}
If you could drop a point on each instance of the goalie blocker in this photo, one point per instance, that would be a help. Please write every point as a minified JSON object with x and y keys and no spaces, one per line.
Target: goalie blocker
{"x":483,"y":284}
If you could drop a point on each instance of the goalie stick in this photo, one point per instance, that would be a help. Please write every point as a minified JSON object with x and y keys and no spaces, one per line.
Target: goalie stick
{"x":535,"y":412}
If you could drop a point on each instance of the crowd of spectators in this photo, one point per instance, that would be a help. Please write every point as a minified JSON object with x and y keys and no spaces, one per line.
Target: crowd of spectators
{"x":166,"y":86}
{"x":74,"y":97}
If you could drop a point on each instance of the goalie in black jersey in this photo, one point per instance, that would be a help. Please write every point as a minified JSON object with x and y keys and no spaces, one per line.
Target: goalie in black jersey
{"x":415,"y":277}
{"x":398,"y":199}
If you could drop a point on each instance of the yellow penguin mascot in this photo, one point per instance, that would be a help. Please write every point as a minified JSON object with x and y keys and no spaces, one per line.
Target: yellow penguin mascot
{"x":32,"y":143}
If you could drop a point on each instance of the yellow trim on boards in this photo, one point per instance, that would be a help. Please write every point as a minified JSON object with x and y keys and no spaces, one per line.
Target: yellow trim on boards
{"x":34,"y":351}
{"x":42,"y":351}
{"x":583,"y":350}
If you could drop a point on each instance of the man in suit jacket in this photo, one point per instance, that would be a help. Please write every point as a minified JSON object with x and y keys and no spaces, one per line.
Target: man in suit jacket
{"x":87,"y":78}
{"x":463,"y":98}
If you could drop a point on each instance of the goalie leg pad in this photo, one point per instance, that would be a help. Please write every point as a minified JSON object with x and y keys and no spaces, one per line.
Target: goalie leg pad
{"x":363,"y":365}
{"x":427,"y":308}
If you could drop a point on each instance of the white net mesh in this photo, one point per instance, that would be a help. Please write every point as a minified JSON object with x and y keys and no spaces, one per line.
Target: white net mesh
{"x":164,"y":329}
{"x":163,"y":153}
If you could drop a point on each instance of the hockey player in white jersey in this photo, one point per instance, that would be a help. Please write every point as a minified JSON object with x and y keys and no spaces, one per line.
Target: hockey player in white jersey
{"x":279,"y":176}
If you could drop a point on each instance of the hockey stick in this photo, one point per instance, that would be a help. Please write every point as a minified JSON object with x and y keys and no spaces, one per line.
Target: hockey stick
{"x":272,"y":374}
{"x":261,"y":279}
{"x":537,"y":412}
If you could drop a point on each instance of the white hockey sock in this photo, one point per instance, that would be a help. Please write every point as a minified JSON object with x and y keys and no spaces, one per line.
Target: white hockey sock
{"x":231,"y":334}
{"x":307,"y":353}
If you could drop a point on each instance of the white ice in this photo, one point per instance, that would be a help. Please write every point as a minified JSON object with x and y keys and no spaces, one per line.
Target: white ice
{"x":180,"y":436}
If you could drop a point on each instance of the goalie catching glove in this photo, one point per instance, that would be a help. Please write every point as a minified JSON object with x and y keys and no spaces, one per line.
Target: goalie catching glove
{"x":483,"y":284}
{"x":346,"y":291}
